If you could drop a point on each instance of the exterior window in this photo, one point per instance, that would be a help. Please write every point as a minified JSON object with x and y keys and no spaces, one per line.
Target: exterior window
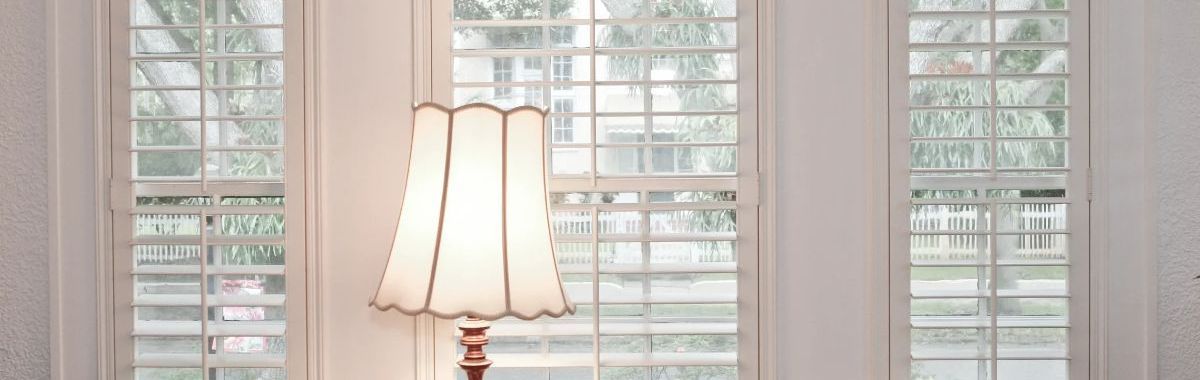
{"x":502,"y":71}
{"x":208,"y":216}
{"x":650,"y":151}
{"x":997,"y":160}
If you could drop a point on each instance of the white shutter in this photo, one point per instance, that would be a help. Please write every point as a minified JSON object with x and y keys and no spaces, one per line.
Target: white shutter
{"x":653,"y":162}
{"x":208,"y":213}
{"x":994,"y":107}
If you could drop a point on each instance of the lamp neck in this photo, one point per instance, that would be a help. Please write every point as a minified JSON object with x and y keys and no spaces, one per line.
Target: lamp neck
{"x":474,"y":337}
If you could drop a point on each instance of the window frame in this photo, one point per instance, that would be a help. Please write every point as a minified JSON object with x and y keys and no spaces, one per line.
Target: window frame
{"x":1082,"y":342}
{"x":114,"y":22}
{"x":435,"y":337}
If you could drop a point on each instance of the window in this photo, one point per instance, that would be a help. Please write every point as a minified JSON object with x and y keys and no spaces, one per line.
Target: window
{"x":207,"y":189}
{"x":653,"y":163}
{"x":997,"y":160}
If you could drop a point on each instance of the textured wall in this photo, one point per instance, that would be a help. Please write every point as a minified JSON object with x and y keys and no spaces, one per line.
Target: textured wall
{"x":24,"y":306}
{"x":1178,"y":139}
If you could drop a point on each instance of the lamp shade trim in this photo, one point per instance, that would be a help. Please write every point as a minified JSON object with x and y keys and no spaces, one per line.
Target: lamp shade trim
{"x":452,"y":294}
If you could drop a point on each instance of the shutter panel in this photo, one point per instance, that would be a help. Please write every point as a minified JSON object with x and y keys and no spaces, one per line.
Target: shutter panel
{"x":652,"y":146}
{"x":203,"y":192}
{"x":998,"y":221}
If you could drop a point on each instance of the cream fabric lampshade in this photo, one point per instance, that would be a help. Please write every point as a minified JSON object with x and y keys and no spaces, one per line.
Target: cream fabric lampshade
{"x":474,"y":231}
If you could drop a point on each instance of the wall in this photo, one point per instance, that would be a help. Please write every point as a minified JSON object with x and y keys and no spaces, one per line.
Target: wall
{"x":834,"y":261}
{"x":365,"y":104}
{"x":1178,"y":189}
{"x":24,"y":302}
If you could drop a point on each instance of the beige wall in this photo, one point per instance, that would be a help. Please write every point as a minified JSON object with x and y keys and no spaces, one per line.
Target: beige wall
{"x":24,"y":291}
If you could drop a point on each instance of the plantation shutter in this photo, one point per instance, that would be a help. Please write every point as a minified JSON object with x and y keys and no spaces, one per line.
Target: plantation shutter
{"x":653,"y":163}
{"x":994,"y":243}
{"x":207,"y":189}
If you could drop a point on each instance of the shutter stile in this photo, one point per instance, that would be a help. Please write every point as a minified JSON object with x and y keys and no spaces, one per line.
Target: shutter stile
{"x":201,"y":253}
{"x":998,"y":226}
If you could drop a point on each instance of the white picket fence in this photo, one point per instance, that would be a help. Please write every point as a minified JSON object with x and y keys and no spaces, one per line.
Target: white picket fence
{"x":1016,"y":217}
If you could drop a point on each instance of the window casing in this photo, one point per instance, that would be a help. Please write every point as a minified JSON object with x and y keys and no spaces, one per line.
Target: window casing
{"x":652,"y":143}
{"x":990,"y":165}
{"x":207,"y":189}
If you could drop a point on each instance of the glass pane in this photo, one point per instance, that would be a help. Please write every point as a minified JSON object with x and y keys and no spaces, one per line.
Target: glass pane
{"x":709,"y":129}
{"x":245,"y":11}
{"x":567,"y":161}
{"x":951,"y":155}
{"x":245,"y":133}
{"x":695,"y":35}
{"x":247,"y":103}
{"x":619,"y":9}
{"x":621,"y":36}
{"x":692,"y":252}
{"x":620,"y":129}
{"x":168,"y":41}
{"x":1031,"y":61}
{"x":620,"y":161}
{"x":949,"y":92}
{"x":948,"y":249}
{"x":695,"y":8}
{"x":701,"y":160}
{"x":497,"y":37}
{"x":1032,"y":248}
{"x":692,"y":221}
{"x":949,"y":280}
{"x":951,"y":343}
{"x":942,"y":31}
{"x":165,"y":12}
{"x":166,"y":133}
{"x":1021,"y":5}
{"x":620,"y":67}
{"x":1031,"y":154}
{"x":244,"y":72}
{"x":949,"y":307}
{"x":951,"y":370}
{"x":949,"y":62}
{"x":168,"y":374}
{"x":1031,"y":30}
{"x":250,"y":373}
{"x":620,"y":99}
{"x":695,"y":98}
{"x":949,"y":218}
{"x":1033,"y":92}
{"x":694,"y":343}
{"x":166,"y":73}
{"x":166,"y":164}
{"x":694,"y":67}
{"x":245,"y":164}
{"x":1032,"y":342}
{"x":949,"y":123}
{"x":497,"y":10}
{"x":694,"y":372}
{"x":166,"y":103}
{"x":1032,"y":369}
{"x":1031,"y":123}
{"x":943,"y":5}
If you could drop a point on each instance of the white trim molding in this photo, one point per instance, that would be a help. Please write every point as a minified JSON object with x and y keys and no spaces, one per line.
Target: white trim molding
{"x":77,"y":205}
{"x":1125,"y":272}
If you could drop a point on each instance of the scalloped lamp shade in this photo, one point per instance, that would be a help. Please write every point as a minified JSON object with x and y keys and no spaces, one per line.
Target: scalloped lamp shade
{"x":474,"y":233}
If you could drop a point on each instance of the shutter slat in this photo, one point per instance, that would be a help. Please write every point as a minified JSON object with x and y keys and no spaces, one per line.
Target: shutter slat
{"x":194,"y":300}
{"x":192,"y":328}
{"x":212,"y":269}
{"x":651,"y":268}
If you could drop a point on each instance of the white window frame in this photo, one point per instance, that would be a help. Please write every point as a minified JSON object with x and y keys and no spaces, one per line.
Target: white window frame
{"x":117,"y":345}
{"x":1081,"y":346}
{"x":435,"y":338}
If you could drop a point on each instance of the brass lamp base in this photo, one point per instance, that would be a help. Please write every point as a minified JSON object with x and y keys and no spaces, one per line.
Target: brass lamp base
{"x":474,"y":336}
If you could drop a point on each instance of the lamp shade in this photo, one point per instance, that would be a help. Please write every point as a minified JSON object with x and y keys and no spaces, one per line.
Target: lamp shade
{"x":474,"y":232}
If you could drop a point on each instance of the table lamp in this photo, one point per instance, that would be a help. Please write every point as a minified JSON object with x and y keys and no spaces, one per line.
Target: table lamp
{"x":473,"y":238}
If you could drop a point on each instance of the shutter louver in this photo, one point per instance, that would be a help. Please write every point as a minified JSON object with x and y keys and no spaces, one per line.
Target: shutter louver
{"x":997,"y":233}
{"x":646,"y":149}
{"x":202,"y":115}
